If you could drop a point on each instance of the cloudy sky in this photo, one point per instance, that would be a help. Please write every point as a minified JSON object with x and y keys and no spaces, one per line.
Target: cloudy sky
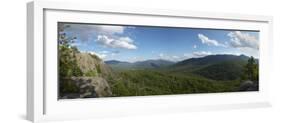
{"x":137,"y":43}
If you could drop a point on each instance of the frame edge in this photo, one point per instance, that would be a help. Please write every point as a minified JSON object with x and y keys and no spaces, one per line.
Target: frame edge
{"x":34,"y":23}
{"x":35,"y":73}
{"x":30,"y":60}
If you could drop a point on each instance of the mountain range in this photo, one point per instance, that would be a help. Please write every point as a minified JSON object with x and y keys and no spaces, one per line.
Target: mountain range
{"x":216,"y":67}
{"x":147,"y":64}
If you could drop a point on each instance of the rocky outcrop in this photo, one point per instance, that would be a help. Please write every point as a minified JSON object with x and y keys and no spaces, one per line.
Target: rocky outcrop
{"x":86,"y":87}
{"x":248,"y":86}
{"x":90,"y":63}
{"x":90,"y":79}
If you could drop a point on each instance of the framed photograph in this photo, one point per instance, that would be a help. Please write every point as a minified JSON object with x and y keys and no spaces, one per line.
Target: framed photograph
{"x":103,"y":61}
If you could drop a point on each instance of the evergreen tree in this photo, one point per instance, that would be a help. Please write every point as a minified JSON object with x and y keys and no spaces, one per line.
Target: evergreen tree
{"x":67,"y":62}
{"x":251,"y":70}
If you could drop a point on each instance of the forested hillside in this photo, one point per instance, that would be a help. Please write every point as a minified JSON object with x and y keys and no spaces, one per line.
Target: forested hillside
{"x":86,"y":75}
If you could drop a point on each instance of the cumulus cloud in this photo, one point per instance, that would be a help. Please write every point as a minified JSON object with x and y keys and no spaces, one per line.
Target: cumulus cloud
{"x":205,"y":40}
{"x":116,"y":42}
{"x":104,"y":51}
{"x":187,"y":55}
{"x":194,"y":46}
{"x":161,"y":55}
{"x":100,"y":55}
{"x":169,"y":57}
{"x":174,"y":58}
{"x":106,"y":35}
{"x":112,"y":29}
{"x":201,"y":53}
{"x":85,"y":32}
{"x":243,"y":40}
{"x":104,"y":54}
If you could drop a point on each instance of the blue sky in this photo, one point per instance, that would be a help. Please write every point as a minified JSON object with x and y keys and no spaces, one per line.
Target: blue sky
{"x":138,"y":43}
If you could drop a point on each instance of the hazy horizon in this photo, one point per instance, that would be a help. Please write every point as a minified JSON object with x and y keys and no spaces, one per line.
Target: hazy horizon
{"x":176,"y":61}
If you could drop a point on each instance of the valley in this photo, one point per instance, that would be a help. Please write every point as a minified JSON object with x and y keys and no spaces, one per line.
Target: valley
{"x":200,"y":75}
{"x":96,"y":61}
{"x":91,"y":77}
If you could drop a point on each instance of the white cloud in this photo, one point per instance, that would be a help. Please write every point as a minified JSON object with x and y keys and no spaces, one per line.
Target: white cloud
{"x":250,"y":52}
{"x":194,"y":46}
{"x":205,"y":40}
{"x":112,"y":29}
{"x":170,"y":57}
{"x":104,"y":52}
{"x":175,"y":57}
{"x":161,"y":55}
{"x":116,"y":42}
{"x":135,"y":59}
{"x":100,"y":55}
{"x":113,"y":54}
{"x":243,"y":40}
{"x":167,"y":57}
{"x":201,"y":53}
{"x":187,"y":55}
{"x":231,"y":53}
{"x":105,"y":35}
{"x":87,"y":33}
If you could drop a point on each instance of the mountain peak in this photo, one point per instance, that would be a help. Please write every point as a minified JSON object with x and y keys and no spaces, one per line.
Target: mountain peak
{"x":114,"y":62}
{"x":210,"y":59}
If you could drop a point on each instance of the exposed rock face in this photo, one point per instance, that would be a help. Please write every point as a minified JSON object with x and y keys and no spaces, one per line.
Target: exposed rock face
{"x":93,"y":83}
{"x":249,"y":86}
{"x":87,"y":87}
{"x":91,"y":63}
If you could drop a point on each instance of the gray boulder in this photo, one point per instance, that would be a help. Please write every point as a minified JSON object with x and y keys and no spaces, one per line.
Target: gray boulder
{"x":248,"y":86}
{"x":86,"y":87}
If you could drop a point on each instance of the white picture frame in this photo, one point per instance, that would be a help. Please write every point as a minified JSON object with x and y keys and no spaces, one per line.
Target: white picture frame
{"x":42,"y":103}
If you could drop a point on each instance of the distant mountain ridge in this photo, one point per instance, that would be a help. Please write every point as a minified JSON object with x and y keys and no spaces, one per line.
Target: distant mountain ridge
{"x":210,"y":59}
{"x":217,"y":67}
{"x":147,"y":64}
{"x":115,"y":62}
{"x":154,"y":63}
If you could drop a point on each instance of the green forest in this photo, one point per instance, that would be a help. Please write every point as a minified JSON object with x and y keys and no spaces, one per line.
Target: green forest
{"x":85,"y":75}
